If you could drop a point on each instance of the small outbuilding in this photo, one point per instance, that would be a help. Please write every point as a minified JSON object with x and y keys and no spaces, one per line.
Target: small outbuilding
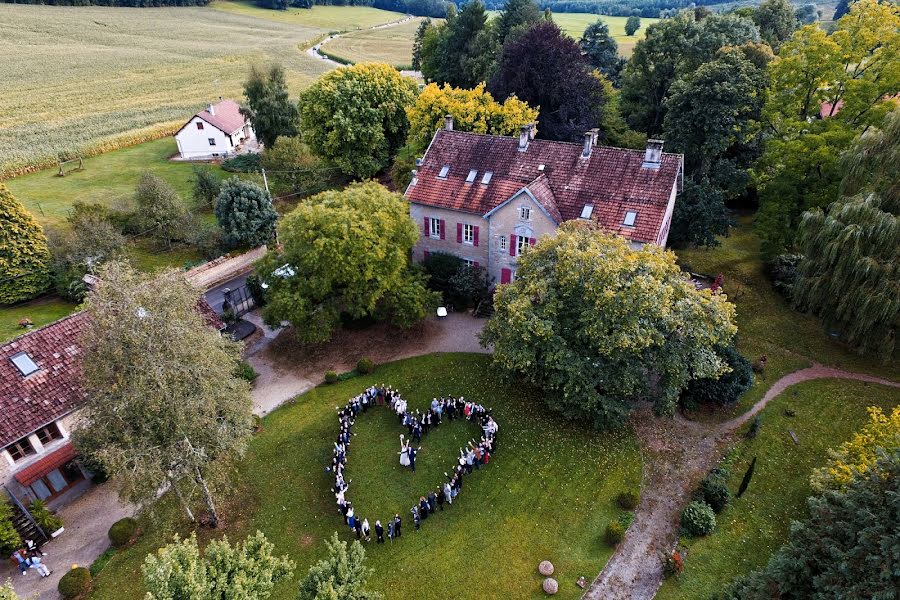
{"x":219,"y":131}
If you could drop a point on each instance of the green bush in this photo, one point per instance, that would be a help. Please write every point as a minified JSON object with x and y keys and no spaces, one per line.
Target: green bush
{"x":365,"y":366}
{"x":45,"y":518}
{"x":614,"y":533}
{"x":245,"y":371}
{"x":76,"y":583}
{"x":698,"y":519}
{"x":122,"y":531}
{"x":24,"y":256}
{"x":628,"y":500}
{"x":9,"y":537}
{"x":725,"y":390}
{"x":714,"y":491}
{"x":243,"y":163}
{"x":331,"y":376}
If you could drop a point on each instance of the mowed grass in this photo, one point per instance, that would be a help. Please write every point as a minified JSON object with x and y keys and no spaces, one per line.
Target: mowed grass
{"x":327,"y":18}
{"x":392,"y":45}
{"x":106,"y":179}
{"x":41,"y":311}
{"x":575,"y":23}
{"x":827,"y":413}
{"x":88,"y":78}
{"x":767,"y":325}
{"x":547,"y":494}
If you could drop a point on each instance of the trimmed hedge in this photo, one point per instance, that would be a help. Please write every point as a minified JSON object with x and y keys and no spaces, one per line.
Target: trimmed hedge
{"x":628,"y":500}
{"x":331,"y":377}
{"x":365,"y":366}
{"x":122,"y":531}
{"x":76,"y":583}
{"x":614,"y":533}
{"x":698,"y":519}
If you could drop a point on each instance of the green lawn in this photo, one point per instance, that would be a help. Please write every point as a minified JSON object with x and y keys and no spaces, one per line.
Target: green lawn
{"x":548,"y":493}
{"x":41,"y":312}
{"x":107,"y":178}
{"x":392,"y":45}
{"x":767,"y":325}
{"x":575,"y":23}
{"x":328,"y":18}
{"x":827,"y":413}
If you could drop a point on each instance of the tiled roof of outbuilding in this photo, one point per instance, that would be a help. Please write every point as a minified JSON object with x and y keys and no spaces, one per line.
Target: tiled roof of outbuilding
{"x":612,"y":180}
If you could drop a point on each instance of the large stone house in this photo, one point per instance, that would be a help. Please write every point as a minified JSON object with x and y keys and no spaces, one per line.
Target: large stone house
{"x":40,"y":394}
{"x":486,"y":198}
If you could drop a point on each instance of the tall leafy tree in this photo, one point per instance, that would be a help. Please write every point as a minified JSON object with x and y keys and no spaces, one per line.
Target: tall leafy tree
{"x":418,"y":40}
{"x":777,"y":20}
{"x":846,"y":548}
{"x":244,"y":571}
{"x":292,"y":168}
{"x":269,"y":107}
{"x":632,"y":24}
{"x":808,"y":13}
{"x":461,"y":50}
{"x":245,"y":214}
{"x":671,"y":48}
{"x":848,"y":77}
{"x":473,"y":110}
{"x":545,"y":68}
{"x":24,"y":257}
{"x":517,"y":15}
{"x":165,"y":408}
{"x":345,"y":253}
{"x":598,"y":325}
{"x":850,"y":272}
{"x":342,"y":575}
{"x":600,"y":48}
{"x":161,"y":213}
{"x":355,"y":117}
{"x":700,"y":215}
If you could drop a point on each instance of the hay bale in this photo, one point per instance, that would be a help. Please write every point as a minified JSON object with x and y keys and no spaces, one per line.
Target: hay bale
{"x":545,"y":568}
{"x":550,"y":586}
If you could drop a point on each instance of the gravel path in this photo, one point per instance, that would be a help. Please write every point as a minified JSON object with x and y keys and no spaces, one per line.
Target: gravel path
{"x":677,"y":454}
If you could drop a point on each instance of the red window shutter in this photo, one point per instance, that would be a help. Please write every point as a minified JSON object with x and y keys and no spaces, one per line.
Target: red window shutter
{"x":443,"y":223}
{"x":427,"y":227}
{"x":512,"y":244}
{"x":477,"y":264}
{"x":504,"y":275}
{"x":476,"y":235}
{"x":531,"y":241}
{"x":426,"y":255}
{"x":459,"y":233}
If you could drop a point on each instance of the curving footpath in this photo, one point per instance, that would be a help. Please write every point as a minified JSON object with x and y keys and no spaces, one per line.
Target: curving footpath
{"x":316,"y":51}
{"x":677,"y":454}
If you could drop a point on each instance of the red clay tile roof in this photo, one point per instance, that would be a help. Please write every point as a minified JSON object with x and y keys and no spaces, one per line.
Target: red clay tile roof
{"x":611,"y":179}
{"x":54,"y":390}
{"x":54,"y":460}
{"x":227,"y":117}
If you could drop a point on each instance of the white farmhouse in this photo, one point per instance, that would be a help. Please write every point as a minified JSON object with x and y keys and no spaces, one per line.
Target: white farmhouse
{"x":219,"y":131}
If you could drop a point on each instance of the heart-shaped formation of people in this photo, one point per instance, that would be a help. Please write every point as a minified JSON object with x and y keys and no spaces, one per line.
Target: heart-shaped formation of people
{"x":474,"y":456}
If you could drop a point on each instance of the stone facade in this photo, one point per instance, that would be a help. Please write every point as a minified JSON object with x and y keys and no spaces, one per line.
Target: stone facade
{"x":453,"y":223}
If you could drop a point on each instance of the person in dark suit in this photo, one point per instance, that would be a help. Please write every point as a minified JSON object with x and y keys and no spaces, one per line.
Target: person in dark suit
{"x":412,"y":457}
{"x":397,"y":523}
{"x":379,"y":532}
{"x":432,"y":502}
{"x":423,"y":507}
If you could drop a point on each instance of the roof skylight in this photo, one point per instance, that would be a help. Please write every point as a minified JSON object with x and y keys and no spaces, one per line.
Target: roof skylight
{"x":444,"y":171}
{"x":486,"y":179}
{"x":587,"y":211}
{"x":471,"y":176}
{"x":630,"y":218}
{"x":24,"y":364}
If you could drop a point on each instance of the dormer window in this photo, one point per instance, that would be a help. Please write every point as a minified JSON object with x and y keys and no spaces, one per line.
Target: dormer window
{"x":587,"y":211}
{"x":486,"y":179}
{"x":24,"y":364}
{"x":445,"y":170}
{"x":630,"y":218}
{"x":471,"y":176}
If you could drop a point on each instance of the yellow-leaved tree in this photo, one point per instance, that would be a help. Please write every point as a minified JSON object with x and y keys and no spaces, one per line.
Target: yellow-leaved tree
{"x":473,"y":110}
{"x":858,"y":454}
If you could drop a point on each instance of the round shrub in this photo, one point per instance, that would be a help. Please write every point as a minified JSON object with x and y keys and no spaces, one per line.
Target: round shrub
{"x":365,"y":366}
{"x":122,"y":531}
{"x":76,"y":583}
{"x":698,"y":519}
{"x":614,"y":533}
{"x":331,"y":376}
{"x":714,"y":492}
{"x":725,"y":390}
{"x":628,"y":500}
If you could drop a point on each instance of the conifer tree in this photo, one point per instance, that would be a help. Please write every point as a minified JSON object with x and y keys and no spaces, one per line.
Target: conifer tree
{"x":24,"y":257}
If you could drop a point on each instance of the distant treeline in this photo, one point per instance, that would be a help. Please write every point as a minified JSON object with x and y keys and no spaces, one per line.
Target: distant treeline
{"x":422,"y":8}
{"x":132,"y":3}
{"x":619,"y":8}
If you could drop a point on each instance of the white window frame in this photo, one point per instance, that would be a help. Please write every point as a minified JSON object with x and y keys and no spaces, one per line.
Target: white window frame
{"x":469,"y":262}
{"x":503,"y":243}
{"x":522,"y":244}
{"x":24,"y":363}
{"x":434,"y":228}
{"x":468,"y":234}
{"x":525,"y":213}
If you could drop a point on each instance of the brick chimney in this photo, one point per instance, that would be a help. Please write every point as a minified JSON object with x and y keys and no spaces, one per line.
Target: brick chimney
{"x":653,"y":154}
{"x":448,"y":122}
{"x":524,"y":137}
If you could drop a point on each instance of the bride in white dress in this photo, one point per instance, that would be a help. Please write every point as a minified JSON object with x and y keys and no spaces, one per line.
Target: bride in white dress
{"x":404,"y":452}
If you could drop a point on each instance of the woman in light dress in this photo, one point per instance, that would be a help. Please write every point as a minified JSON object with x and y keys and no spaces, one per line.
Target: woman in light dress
{"x":404,"y":452}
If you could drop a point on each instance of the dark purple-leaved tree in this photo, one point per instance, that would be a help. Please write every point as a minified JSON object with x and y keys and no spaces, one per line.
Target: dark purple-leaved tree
{"x":545,"y":68}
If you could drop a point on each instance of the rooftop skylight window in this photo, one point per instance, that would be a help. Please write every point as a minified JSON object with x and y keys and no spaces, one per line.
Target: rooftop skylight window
{"x":444,"y":171}
{"x":24,"y":364}
{"x":486,"y":179}
{"x":587,"y":211}
{"x":630,"y":217}
{"x":471,"y":176}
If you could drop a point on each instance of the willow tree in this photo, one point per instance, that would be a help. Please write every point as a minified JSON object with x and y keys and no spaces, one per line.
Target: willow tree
{"x":164,"y":407}
{"x":850,"y":273}
{"x":600,"y":326}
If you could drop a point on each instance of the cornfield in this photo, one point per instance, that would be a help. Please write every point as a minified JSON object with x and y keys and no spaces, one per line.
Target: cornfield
{"x":84,"y":80}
